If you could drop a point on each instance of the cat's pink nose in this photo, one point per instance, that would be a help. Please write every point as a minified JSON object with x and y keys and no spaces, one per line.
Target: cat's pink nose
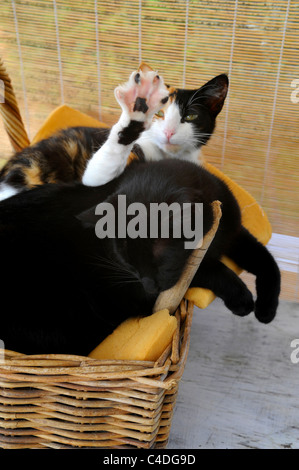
{"x":168,"y":134}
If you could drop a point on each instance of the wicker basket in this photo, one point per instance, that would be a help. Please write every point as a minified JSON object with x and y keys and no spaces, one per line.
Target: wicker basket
{"x":67,"y":401}
{"x":59,"y":401}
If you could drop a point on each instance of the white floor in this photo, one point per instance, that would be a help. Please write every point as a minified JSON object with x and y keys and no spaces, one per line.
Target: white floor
{"x":240,"y":388}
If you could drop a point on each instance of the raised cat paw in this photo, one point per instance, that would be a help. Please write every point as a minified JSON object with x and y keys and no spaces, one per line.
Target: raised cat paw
{"x":143,"y":95}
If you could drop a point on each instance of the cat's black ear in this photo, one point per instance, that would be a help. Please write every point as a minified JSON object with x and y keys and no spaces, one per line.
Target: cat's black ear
{"x":88,"y":218}
{"x":215,"y":92}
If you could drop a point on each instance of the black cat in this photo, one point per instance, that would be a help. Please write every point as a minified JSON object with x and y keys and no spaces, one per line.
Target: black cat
{"x":64,"y":289}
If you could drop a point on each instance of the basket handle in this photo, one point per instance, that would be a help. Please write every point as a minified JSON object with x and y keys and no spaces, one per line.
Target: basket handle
{"x":11,"y":115}
{"x":172,"y":297}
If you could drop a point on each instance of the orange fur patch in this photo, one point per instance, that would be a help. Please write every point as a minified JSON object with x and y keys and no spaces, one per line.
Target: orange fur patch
{"x":132,"y":157}
{"x":52,"y":178}
{"x":71,"y":148}
{"x":172,"y":96}
{"x":172,"y":93}
{"x":143,"y":67}
{"x":32,"y":175}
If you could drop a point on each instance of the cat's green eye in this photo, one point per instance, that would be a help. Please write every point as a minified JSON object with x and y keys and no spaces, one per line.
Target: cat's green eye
{"x":160,"y":114}
{"x":191,"y":117}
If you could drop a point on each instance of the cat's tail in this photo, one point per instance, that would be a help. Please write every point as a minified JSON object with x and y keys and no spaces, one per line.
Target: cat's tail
{"x":254,"y":257}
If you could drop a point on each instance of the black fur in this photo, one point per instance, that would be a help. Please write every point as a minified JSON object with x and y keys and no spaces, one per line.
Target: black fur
{"x":64,"y":289}
{"x":140,"y":105}
{"x":131,"y":132}
{"x":206,"y":103}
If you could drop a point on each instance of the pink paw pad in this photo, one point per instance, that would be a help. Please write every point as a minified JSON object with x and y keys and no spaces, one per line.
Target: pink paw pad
{"x":143,"y":95}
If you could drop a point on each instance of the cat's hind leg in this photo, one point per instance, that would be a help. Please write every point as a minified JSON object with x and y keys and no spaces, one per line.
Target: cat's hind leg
{"x":254,"y":257}
{"x":140,"y":98}
{"x":214,"y":275}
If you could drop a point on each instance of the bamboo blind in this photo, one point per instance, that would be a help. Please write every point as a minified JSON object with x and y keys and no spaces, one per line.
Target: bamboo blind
{"x":61,"y":51}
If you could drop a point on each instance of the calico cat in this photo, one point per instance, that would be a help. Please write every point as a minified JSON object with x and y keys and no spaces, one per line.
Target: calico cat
{"x":178,"y":130}
{"x":64,"y":289}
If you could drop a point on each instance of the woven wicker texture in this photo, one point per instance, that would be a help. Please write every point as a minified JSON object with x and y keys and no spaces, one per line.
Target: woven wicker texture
{"x":60,"y":401}
{"x":11,"y":115}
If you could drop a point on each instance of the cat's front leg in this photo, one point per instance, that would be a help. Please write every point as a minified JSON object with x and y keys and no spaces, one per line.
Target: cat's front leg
{"x":140,"y":98}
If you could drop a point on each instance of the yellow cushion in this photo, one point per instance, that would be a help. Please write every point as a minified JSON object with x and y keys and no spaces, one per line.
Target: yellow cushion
{"x":63,"y":117}
{"x":138,"y":339}
{"x":253,"y":216}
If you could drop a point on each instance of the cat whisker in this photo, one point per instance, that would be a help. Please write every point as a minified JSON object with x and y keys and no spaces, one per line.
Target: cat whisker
{"x":202,"y":136}
{"x":118,"y":273}
{"x":194,"y":101}
{"x":197,"y":133}
{"x":104,"y":261}
{"x":194,"y":143}
{"x":118,"y":277}
{"x":101,"y":261}
{"x":126,"y":281}
{"x":121,"y":278}
{"x":193,"y":97}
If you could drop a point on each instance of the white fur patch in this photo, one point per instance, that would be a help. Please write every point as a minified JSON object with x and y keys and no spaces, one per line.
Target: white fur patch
{"x":182,"y":137}
{"x":156,"y":144}
{"x":7,"y":191}
{"x":110,"y":160}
